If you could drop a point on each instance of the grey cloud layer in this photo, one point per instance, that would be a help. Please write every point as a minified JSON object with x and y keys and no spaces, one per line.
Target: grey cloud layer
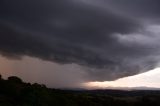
{"x":140,"y":8}
{"x":67,"y":32}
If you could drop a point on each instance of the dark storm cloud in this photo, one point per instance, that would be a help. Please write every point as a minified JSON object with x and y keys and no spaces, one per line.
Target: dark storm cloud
{"x":70,"y":31}
{"x":140,"y":8}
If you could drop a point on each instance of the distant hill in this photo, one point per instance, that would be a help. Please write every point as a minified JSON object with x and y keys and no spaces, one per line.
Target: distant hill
{"x":133,"y":88}
{"x":15,"y":92}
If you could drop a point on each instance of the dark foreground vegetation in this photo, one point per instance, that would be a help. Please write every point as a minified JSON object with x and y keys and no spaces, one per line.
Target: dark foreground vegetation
{"x":14,"y":92}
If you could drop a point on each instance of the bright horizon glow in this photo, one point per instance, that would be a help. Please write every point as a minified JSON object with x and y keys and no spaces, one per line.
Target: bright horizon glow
{"x":20,"y":68}
{"x":147,"y":79}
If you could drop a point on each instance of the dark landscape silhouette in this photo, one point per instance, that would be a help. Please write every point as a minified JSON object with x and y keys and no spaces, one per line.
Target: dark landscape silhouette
{"x":15,"y":92}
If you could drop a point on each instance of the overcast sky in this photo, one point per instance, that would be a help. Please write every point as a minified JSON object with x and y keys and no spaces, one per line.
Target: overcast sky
{"x":64,"y":43}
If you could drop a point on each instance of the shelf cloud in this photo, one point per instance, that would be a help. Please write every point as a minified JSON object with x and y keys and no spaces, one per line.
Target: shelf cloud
{"x":109,"y":39}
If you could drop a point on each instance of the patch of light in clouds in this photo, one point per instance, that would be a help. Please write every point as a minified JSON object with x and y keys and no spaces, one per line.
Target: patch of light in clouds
{"x":148,"y":79}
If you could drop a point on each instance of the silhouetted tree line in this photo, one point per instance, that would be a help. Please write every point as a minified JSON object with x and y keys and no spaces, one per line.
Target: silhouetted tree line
{"x":14,"y":92}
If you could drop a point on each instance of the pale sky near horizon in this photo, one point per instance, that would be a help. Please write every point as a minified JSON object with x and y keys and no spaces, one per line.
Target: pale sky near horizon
{"x":32,"y":70}
{"x":147,"y":79}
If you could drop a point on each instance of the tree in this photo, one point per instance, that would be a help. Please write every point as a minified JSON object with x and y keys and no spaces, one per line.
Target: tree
{"x":14,"y":79}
